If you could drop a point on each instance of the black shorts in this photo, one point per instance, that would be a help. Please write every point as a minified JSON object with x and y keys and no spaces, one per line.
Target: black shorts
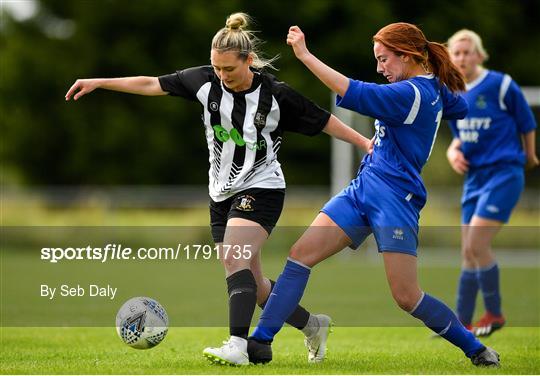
{"x":260,"y":205}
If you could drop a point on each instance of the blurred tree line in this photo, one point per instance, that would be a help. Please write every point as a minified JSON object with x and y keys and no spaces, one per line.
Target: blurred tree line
{"x":114,"y":138}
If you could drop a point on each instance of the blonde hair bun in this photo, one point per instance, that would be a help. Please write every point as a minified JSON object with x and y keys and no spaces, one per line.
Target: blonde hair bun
{"x":235,"y":37}
{"x":237,"y":21}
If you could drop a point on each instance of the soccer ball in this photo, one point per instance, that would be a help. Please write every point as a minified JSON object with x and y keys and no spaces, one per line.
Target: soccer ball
{"x":142,"y":323}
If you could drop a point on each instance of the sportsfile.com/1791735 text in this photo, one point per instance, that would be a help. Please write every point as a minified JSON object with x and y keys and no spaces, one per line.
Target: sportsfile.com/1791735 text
{"x":112,"y":252}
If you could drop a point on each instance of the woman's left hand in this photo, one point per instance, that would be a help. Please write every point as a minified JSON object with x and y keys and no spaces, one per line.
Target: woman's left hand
{"x":297,"y":41}
{"x":532,"y":162}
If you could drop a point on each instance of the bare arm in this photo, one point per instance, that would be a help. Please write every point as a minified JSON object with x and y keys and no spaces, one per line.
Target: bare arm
{"x":529,"y":142}
{"x":334,"y":80}
{"x":456,"y":158}
{"x":142,"y":85}
{"x":336,"y":128}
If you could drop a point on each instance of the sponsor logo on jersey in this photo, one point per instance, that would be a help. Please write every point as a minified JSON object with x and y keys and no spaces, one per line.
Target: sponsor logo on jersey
{"x":474,"y":123}
{"x":468,"y":136}
{"x":380,"y":132}
{"x":469,"y":128}
{"x":245,"y":203}
{"x":223,"y":135}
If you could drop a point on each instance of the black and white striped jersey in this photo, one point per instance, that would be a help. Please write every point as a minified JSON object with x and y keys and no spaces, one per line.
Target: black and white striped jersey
{"x":244,"y":129}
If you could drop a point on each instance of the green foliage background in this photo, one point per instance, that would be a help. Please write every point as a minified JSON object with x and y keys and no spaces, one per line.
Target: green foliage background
{"x":111,"y":138}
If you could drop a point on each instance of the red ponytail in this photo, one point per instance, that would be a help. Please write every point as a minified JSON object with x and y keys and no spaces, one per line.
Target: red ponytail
{"x":407,"y":39}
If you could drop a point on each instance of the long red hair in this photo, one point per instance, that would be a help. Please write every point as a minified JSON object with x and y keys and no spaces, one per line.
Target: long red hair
{"x":407,"y":39}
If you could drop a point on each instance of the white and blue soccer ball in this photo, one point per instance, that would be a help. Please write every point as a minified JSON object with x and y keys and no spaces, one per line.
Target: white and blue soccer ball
{"x":142,"y":323}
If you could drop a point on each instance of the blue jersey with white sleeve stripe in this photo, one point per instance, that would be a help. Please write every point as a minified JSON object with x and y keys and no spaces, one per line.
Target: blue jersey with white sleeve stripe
{"x":408,"y":114}
{"x":498,"y":115}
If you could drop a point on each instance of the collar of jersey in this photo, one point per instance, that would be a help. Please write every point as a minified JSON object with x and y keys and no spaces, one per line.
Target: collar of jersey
{"x":479,"y":79}
{"x":254,"y":85}
{"x":428,"y":76}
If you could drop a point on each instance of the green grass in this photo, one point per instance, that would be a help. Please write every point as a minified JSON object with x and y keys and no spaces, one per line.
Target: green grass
{"x":352,"y":351}
{"x":373,"y":336}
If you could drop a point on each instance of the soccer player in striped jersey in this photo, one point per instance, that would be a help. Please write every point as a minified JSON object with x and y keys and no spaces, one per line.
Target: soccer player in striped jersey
{"x":388,"y":193}
{"x":245,"y":113}
{"x":490,"y":147}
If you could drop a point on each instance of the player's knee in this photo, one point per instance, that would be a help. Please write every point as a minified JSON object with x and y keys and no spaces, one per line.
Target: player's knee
{"x":300,"y":253}
{"x":232,"y":263}
{"x":472,"y":250}
{"x":406,"y":300}
{"x":467,"y":255}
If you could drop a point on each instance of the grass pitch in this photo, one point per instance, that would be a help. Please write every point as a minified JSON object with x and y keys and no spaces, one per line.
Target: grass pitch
{"x":372,"y":337}
{"x":351,"y":351}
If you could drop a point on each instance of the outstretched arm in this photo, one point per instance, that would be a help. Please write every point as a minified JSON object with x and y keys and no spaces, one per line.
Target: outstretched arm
{"x":334,"y":80}
{"x":142,"y":85}
{"x":336,"y":128}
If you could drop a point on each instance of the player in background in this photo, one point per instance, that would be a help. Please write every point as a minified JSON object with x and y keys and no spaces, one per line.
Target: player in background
{"x":245,"y":112}
{"x":490,"y":147}
{"x":388,"y":193}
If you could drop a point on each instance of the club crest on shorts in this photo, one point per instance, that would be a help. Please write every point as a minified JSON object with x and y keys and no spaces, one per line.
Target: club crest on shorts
{"x":246,"y":202}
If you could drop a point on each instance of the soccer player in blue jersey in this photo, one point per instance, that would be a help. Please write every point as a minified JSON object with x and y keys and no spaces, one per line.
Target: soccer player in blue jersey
{"x":388,"y":193}
{"x":490,"y":147}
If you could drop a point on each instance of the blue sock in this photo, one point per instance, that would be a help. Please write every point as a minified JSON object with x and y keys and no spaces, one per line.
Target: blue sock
{"x":439,"y":318}
{"x":466,"y":298}
{"x":489,"y":284}
{"x":283,"y":300}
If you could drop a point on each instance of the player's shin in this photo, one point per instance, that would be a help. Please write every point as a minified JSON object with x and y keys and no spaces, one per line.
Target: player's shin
{"x":299,"y":317}
{"x":242,"y":290}
{"x":439,"y":318}
{"x":466,"y":297}
{"x":283,"y":300}
{"x":489,"y":283}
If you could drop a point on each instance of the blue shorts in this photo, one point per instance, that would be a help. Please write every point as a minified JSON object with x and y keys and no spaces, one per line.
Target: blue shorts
{"x":368,"y":205}
{"x":492,"y":192}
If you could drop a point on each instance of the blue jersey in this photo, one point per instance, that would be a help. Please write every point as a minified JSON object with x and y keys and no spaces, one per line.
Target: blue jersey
{"x":408,"y":115}
{"x":498,"y":115}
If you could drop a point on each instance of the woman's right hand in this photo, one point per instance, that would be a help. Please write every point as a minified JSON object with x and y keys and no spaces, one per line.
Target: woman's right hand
{"x":82,"y":87}
{"x":457,"y":160}
{"x":297,"y":40}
